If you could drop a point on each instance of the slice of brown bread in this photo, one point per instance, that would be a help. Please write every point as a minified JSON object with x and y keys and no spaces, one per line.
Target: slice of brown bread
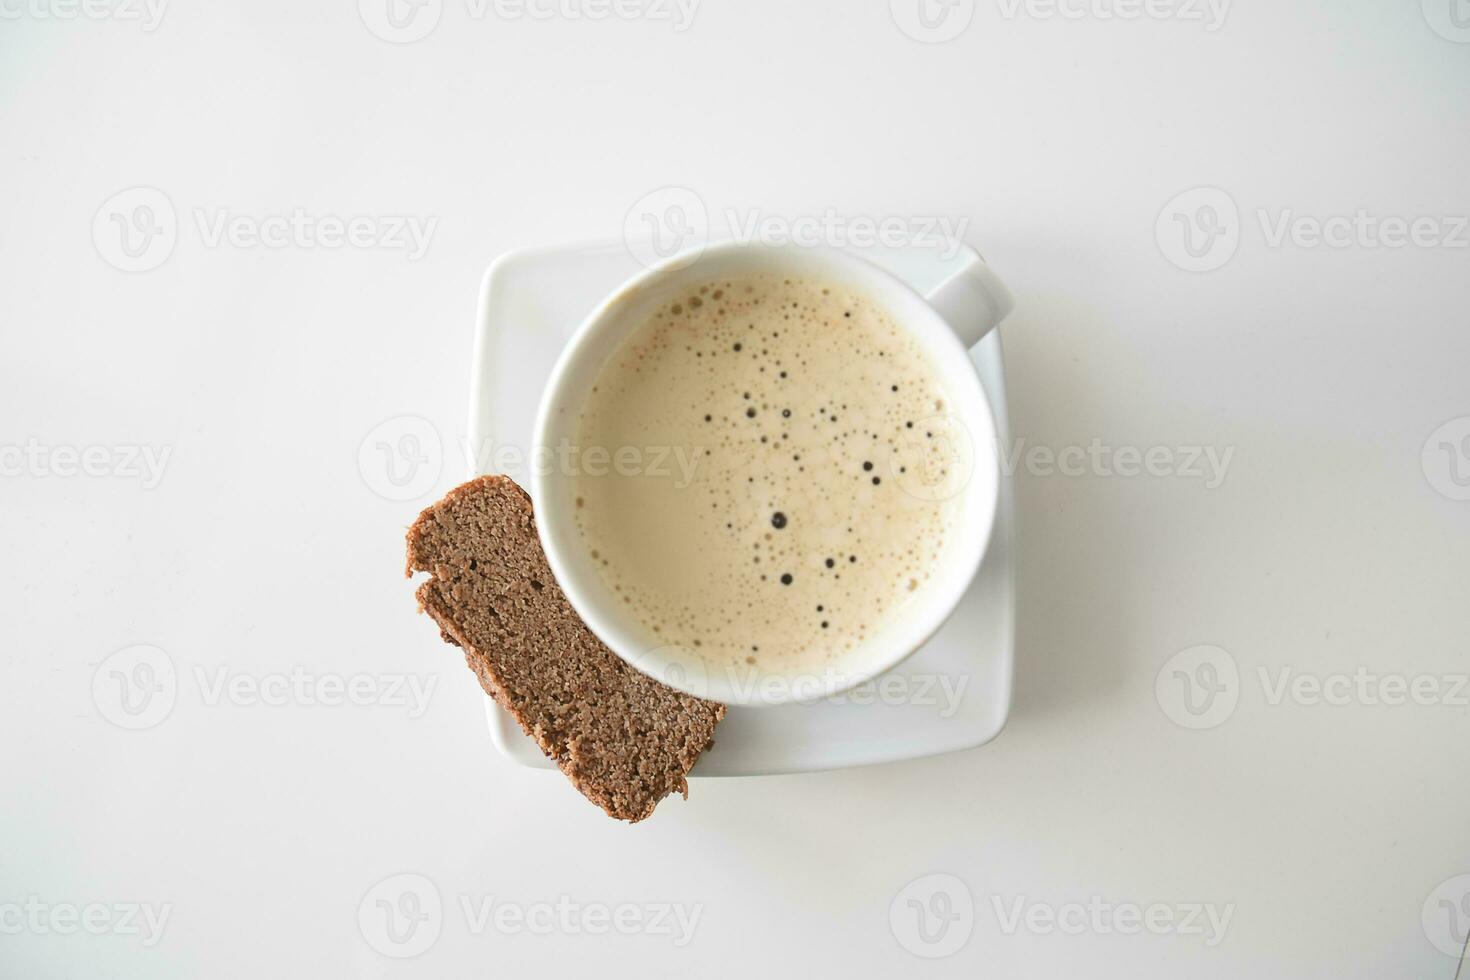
{"x":623,"y":739}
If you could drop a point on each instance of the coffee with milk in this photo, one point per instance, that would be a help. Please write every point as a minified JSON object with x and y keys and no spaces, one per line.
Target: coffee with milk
{"x":808,"y":414}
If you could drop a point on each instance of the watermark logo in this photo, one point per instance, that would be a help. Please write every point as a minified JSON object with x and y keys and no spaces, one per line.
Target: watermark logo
{"x":1450,"y":19}
{"x":1199,"y":229}
{"x":933,"y":916}
{"x":1210,"y":13}
{"x":401,"y":916}
{"x":135,"y":230}
{"x":136,"y":687}
{"x":664,"y":223}
{"x":147,"y":13}
{"x":1446,"y":459}
{"x":400,"y":21}
{"x":41,"y":918}
{"x":1199,"y":688}
{"x":934,"y":460}
{"x":932,"y":21}
{"x":401,"y":458}
{"x":1446,"y":916}
{"x":679,"y":666}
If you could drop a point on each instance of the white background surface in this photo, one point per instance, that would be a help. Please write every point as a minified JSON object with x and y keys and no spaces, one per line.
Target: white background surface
{"x":263,"y":828}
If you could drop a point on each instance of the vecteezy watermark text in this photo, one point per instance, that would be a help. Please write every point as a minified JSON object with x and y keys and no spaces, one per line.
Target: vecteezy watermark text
{"x":123,"y":461}
{"x":943,"y":233}
{"x":1362,"y":229}
{"x":934,"y":915}
{"x":679,"y":13}
{"x":137,"y":230}
{"x":37,"y":917}
{"x":685,"y":668}
{"x":1100,"y":917}
{"x":146,"y":13}
{"x":402,"y":458}
{"x":1200,"y":230}
{"x":674,"y":221}
{"x":1097,"y":459}
{"x":407,"y":233}
{"x":676,"y":463}
{"x":675,"y":921}
{"x":407,"y":21}
{"x":137,"y":687}
{"x":944,"y":693}
{"x":938,"y":21}
{"x":404,"y":914}
{"x":1209,"y":13}
{"x":305,"y":688}
{"x":1363,"y":686}
{"x":1200,"y":687}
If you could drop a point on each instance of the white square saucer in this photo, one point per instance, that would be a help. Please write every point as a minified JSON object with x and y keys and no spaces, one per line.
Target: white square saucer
{"x":954,"y":693}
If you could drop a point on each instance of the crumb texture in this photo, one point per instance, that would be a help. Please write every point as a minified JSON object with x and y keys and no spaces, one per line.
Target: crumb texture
{"x":623,"y":739}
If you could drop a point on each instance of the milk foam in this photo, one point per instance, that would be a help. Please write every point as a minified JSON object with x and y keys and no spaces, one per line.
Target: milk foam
{"x":806,"y":410}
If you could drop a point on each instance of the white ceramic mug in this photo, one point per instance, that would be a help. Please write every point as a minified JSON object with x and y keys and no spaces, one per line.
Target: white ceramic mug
{"x":946,"y":323}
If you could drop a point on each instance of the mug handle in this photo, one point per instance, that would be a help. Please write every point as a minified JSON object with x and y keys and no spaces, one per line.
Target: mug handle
{"x":973,"y":301}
